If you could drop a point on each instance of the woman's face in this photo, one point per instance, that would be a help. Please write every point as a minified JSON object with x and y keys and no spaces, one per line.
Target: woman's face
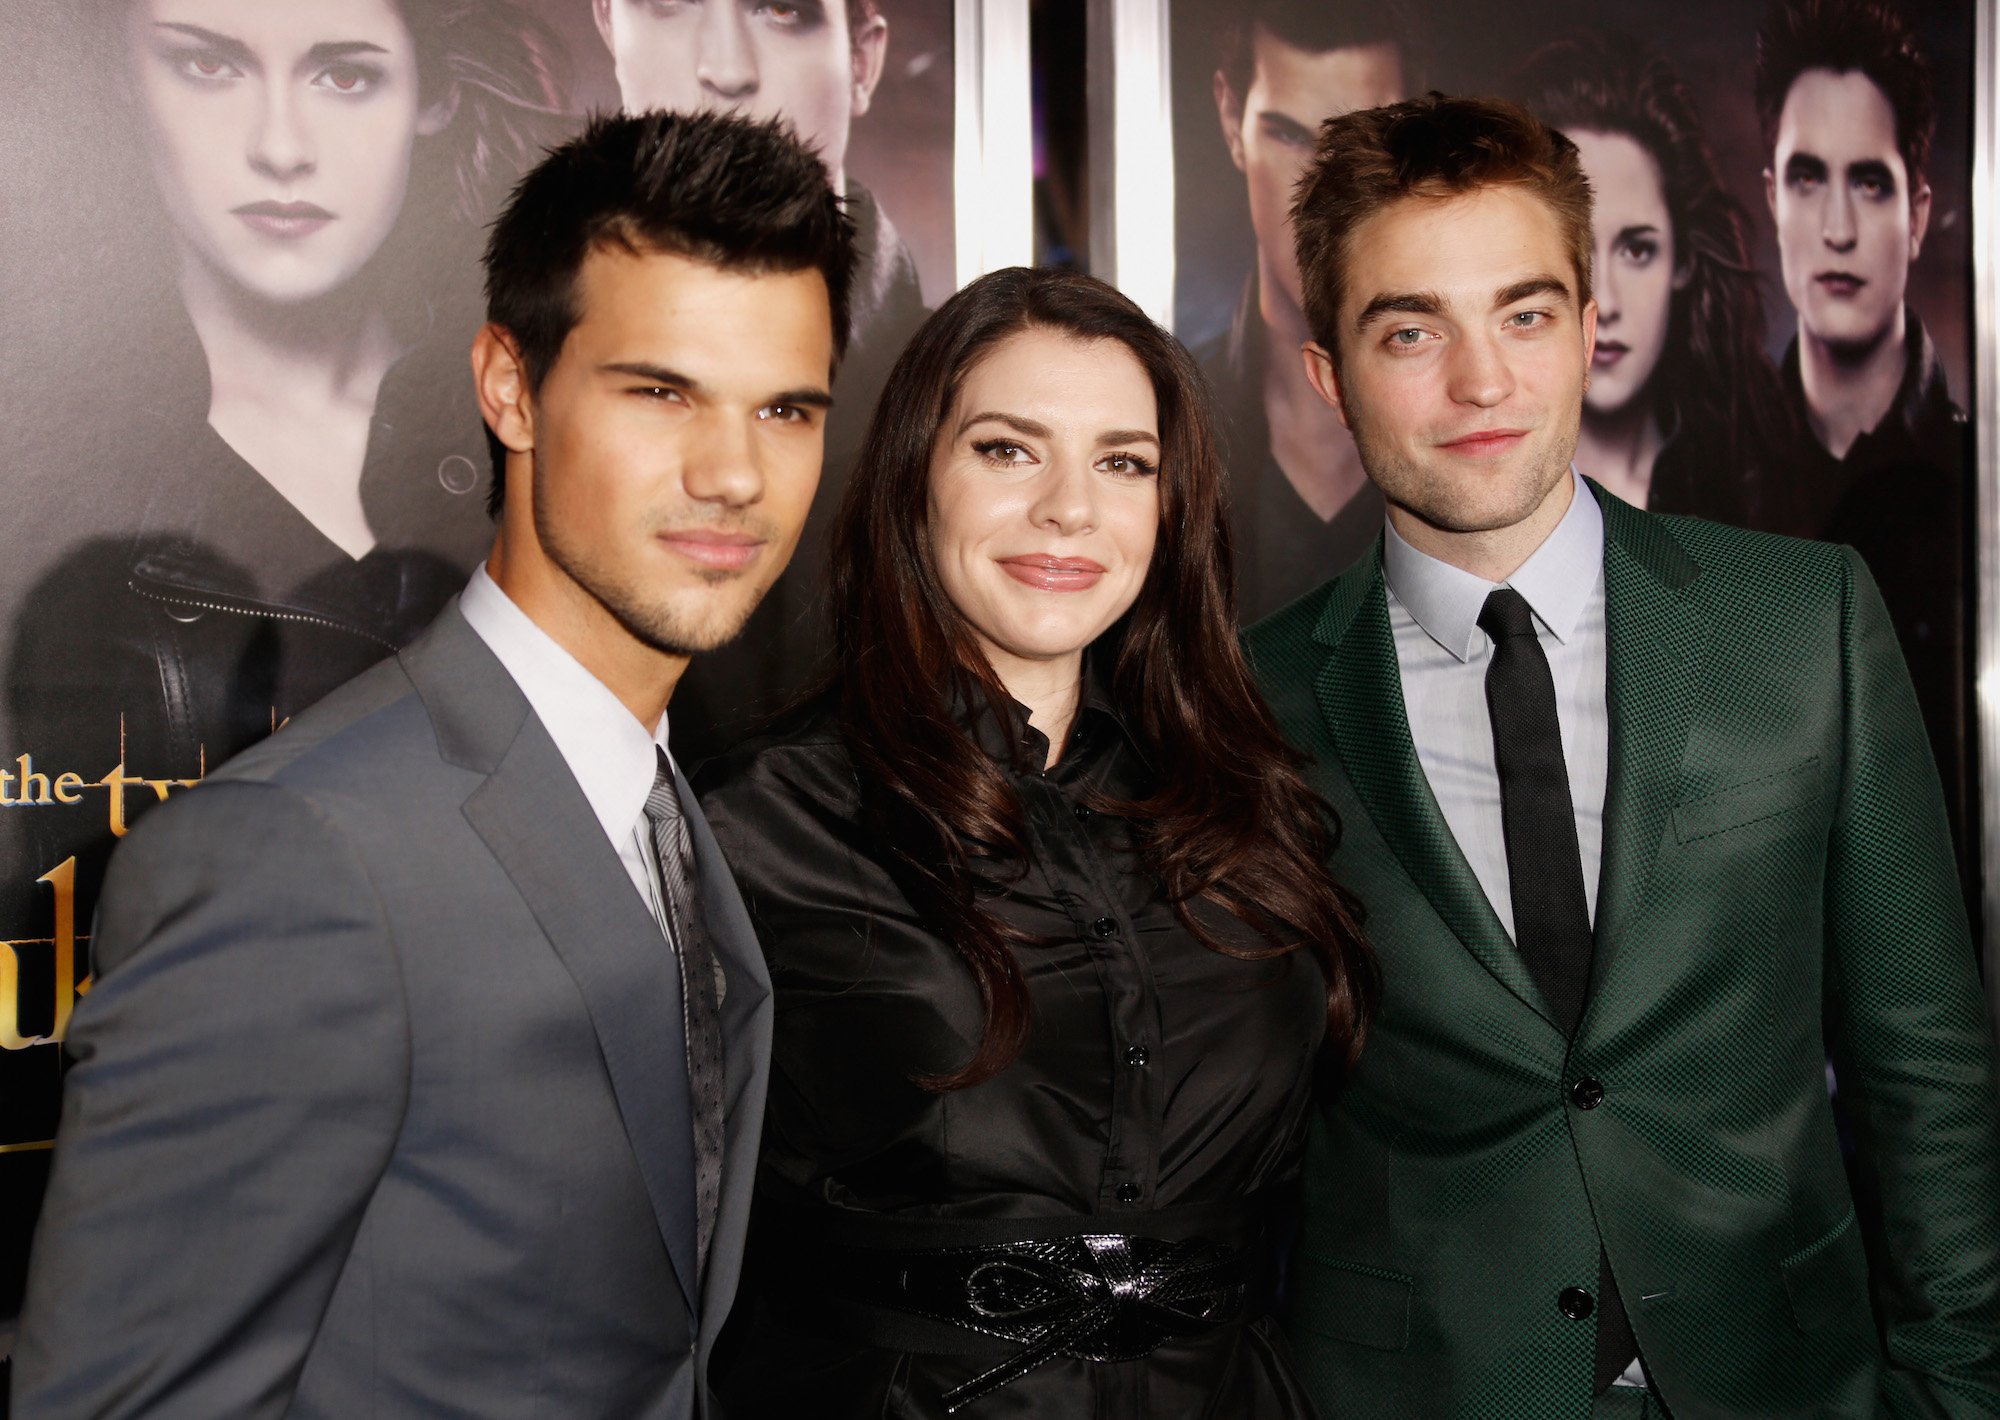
{"x":280,"y":132}
{"x":1045,"y":495}
{"x":1636,"y":270}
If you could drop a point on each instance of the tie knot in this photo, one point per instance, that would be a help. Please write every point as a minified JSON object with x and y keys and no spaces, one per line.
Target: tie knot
{"x":1506,"y":614}
{"x":663,"y":803}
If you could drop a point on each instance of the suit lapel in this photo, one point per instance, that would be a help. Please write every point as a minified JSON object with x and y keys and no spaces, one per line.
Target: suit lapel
{"x":746,"y":1042}
{"x":538,"y":825}
{"x":1655,"y":644}
{"x":1360,"y":693}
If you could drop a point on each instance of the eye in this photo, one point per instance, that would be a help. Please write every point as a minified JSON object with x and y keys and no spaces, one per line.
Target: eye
{"x":1639,"y":251}
{"x":785,"y":414}
{"x":788,"y":15}
{"x":205,"y":66}
{"x":658,"y":394}
{"x":1408,"y":338}
{"x":1002,"y":451}
{"x":1527,"y":320}
{"x":347,"y":78}
{"x":1129,"y":464}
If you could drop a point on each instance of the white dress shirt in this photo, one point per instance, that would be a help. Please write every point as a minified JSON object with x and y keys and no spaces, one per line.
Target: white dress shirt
{"x":1442,"y":656}
{"x":605,"y":746}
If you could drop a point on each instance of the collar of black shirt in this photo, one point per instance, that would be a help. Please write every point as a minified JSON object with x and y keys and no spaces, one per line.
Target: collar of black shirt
{"x":1004,"y":733}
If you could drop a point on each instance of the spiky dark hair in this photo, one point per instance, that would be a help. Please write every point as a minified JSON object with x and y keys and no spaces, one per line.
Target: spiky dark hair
{"x":1865,"y":37}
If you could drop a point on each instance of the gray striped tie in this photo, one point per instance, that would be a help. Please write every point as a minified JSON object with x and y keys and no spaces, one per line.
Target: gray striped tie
{"x":701,"y":1011}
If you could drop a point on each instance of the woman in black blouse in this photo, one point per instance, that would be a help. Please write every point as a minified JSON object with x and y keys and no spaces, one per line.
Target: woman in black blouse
{"x":1055,"y":958}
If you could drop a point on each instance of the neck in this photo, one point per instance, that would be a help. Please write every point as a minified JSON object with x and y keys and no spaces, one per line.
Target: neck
{"x":1850,"y":389}
{"x":1050,"y":689}
{"x":1308,"y":442}
{"x":1494,"y":554}
{"x":1619,"y":448}
{"x":641,"y":676}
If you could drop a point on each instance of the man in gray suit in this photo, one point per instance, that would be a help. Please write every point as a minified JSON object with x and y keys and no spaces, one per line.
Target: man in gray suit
{"x":425,"y":1063}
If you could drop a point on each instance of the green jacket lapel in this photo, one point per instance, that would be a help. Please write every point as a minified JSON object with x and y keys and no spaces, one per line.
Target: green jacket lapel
{"x":1655,"y":644}
{"x":1360,"y":694}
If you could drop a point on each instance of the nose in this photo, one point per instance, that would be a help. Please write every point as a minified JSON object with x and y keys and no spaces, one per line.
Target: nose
{"x":1065,"y":500}
{"x":281,"y":145}
{"x":1479,"y":374}
{"x":1607,"y":290}
{"x":723,"y":463}
{"x":725,"y":61}
{"x":1837,"y":218}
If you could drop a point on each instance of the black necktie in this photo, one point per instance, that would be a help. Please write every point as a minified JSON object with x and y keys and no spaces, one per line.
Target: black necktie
{"x":1545,"y":867}
{"x":701,"y":1009}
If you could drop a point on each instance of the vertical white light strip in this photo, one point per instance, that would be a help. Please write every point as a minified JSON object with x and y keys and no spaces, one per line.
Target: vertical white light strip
{"x":993,"y":168}
{"x":1143,"y":152}
{"x":1986,"y":415}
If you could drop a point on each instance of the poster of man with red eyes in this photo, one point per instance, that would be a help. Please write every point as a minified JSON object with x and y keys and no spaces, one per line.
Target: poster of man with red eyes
{"x":241,"y":243}
{"x":1782,"y":267}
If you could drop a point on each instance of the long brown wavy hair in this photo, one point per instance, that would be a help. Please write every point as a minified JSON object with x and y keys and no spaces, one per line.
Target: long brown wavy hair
{"x":1714,"y":377}
{"x":1233,"y":822}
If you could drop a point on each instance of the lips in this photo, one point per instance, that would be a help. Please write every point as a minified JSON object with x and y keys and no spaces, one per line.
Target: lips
{"x":288,"y":220}
{"x":1485,"y":443}
{"x":1053,"y":574}
{"x":1609,"y":353}
{"x":718,"y":551}
{"x":1839,"y":283}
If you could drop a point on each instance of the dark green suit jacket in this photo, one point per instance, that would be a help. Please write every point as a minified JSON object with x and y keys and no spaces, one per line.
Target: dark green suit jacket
{"x":1777,"y":887}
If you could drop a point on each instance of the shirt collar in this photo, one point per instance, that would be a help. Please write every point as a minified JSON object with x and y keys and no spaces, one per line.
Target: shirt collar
{"x":606,"y":748}
{"x":1556,"y":581}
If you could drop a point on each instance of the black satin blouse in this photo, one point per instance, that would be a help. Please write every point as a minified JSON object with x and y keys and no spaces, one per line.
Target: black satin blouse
{"x":1157,"y":1073}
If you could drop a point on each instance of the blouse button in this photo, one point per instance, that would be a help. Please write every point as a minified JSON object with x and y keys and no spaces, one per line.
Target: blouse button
{"x":1137,"y":1055}
{"x":1104,"y":927}
{"x":1082,"y":812}
{"x":1128,"y":1193}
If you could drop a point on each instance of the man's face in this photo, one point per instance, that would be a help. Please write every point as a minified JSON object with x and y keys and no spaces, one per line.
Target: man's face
{"x":1849,"y":220}
{"x":1272,"y":128}
{"x":1463,"y":356}
{"x":676,"y":445}
{"x":794,"y":59}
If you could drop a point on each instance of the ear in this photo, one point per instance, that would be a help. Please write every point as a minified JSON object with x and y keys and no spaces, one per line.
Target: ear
{"x":435,"y":118}
{"x":1683,"y":273}
{"x":1771,"y":193}
{"x":600,"y":11}
{"x":1229,"y":109}
{"x":1920,"y":217}
{"x":1325,"y":379}
{"x":868,"y":51}
{"x":501,"y":381}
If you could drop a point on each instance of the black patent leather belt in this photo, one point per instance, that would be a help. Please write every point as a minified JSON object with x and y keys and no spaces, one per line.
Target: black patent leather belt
{"x":1092,"y":1295}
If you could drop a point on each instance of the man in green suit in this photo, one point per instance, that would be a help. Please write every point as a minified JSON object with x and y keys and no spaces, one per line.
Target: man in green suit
{"x":1647,"y":826}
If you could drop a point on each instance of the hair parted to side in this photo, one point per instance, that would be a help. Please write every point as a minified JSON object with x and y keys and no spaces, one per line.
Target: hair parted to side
{"x":1314,"y":26}
{"x":1865,"y":37}
{"x":1433,"y":148}
{"x":1233,"y":823}
{"x":734,"y":193}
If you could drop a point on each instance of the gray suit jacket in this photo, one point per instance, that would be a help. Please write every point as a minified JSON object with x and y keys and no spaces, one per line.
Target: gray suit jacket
{"x":379,"y":1101}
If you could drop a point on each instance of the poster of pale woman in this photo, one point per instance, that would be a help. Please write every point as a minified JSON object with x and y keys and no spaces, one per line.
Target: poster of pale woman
{"x":249,"y":407}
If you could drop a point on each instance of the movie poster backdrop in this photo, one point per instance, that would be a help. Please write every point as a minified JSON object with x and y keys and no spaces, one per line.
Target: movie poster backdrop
{"x":1696,"y":403}
{"x":240,"y":253}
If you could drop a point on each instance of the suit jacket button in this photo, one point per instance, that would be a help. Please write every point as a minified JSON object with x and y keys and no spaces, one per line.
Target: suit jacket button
{"x":1587,"y":1093}
{"x":1574,"y":1303}
{"x":1104,"y":927}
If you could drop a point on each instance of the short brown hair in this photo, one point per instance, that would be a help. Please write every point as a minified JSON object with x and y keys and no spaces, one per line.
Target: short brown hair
{"x":1433,"y":147}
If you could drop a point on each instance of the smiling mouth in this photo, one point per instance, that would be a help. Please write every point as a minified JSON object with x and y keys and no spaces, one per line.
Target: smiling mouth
{"x":715,"y":551}
{"x":1053,"y":574}
{"x":283,"y":219}
{"x":1840,"y":283}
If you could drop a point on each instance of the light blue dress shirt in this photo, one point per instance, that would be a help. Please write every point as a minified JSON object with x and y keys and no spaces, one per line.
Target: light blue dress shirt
{"x":1442,"y":655}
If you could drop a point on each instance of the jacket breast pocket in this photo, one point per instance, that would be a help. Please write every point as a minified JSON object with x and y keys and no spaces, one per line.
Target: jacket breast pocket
{"x":1827,"y":1279}
{"x":1752,"y":801}
{"x":1350,"y":1301}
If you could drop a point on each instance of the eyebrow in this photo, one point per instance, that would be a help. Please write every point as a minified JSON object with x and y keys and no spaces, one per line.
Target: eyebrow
{"x":1408,"y":303}
{"x":1533,"y":286}
{"x":234,"y":48}
{"x":814,"y":396}
{"x":1013,"y":421}
{"x":341,"y":49}
{"x":1872,"y":170}
{"x":1805,"y":165}
{"x":1128,"y":436}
